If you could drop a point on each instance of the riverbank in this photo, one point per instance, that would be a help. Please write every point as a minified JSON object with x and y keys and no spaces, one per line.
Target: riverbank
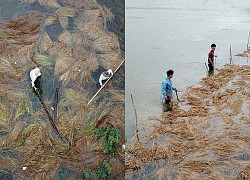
{"x":205,"y":137}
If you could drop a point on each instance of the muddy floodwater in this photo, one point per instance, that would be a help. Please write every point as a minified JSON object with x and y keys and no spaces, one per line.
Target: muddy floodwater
{"x":162,"y":35}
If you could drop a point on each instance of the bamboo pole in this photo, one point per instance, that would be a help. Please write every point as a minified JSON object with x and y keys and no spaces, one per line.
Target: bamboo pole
{"x":248,"y":46}
{"x":177,"y":95}
{"x":248,"y":40}
{"x":206,"y":67}
{"x":230,"y":55}
{"x":105,"y":83}
{"x":49,"y":116}
{"x":136,"y":122}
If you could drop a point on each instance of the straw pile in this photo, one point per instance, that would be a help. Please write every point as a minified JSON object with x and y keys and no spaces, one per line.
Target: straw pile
{"x":207,"y":139}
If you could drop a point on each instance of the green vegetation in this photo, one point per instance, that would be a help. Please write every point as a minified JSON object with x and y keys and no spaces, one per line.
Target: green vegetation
{"x":92,"y":125}
{"x":44,"y":60}
{"x":110,"y":138}
{"x":4,"y":119}
{"x":89,"y":175}
{"x":24,"y":135}
{"x":104,"y":170}
{"x":101,"y":172}
{"x":24,"y":107}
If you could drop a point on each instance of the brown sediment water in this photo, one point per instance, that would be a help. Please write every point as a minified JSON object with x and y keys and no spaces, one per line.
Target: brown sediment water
{"x":207,"y":139}
{"x":69,"y":41}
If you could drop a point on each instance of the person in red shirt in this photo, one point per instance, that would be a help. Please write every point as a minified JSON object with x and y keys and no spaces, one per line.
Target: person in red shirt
{"x":211,"y":59}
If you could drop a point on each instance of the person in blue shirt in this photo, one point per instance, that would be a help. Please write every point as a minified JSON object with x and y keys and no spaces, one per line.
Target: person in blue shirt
{"x":167,"y":91}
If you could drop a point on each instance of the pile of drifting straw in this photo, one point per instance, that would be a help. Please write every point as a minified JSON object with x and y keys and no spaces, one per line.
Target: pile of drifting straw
{"x":209,"y":139}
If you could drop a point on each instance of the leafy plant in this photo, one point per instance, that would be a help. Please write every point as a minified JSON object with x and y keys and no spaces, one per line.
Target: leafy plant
{"x":104,"y":170}
{"x":110,"y":137}
{"x":89,"y":175}
{"x":101,"y":172}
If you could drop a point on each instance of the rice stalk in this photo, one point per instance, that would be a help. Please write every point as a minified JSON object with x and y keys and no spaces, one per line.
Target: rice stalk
{"x":66,"y":12}
{"x":4,"y":116}
{"x":43,"y":60}
{"x":23,"y":107}
{"x":49,"y":3}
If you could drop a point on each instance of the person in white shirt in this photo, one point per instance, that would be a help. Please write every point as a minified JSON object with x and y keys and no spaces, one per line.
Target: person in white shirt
{"x":34,"y":74}
{"x":105,"y":76}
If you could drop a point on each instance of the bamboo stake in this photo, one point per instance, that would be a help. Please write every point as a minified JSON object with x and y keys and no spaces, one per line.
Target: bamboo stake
{"x":230,"y":55}
{"x":206,"y":67}
{"x":105,"y":83}
{"x":136,"y":122}
{"x":248,"y":40}
{"x":177,"y":95}
{"x":248,"y":46}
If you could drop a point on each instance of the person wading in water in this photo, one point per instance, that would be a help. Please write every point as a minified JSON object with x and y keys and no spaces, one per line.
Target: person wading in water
{"x":167,"y":91}
{"x":211,"y":60}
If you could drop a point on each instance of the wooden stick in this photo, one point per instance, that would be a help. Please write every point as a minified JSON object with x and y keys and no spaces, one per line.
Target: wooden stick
{"x":248,"y":46}
{"x":55,"y":104}
{"x":177,"y":95}
{"x":230,"y":55}
{"x":206,"y":67}
{"x":248,"y":40}
{"x":48,"y":114}
{"x":105,"y":83}
{"x":136,"y":122}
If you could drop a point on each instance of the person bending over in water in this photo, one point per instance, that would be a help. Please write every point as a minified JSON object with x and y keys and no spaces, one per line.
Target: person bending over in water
{"x":34,"y":74}
{"x":105,"y":76}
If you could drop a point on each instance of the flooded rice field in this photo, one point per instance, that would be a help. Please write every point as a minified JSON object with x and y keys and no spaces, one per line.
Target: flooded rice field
{"x":48,"y":133}
{"x":205,"y":137}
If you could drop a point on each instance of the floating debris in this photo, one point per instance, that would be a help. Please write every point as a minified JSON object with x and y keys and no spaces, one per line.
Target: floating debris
{"x":204,"y":137}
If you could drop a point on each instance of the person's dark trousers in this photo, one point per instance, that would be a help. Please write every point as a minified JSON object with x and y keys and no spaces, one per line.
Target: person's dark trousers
{"x":167,"y":105}
{"x":103,"y":81}
{"x":98,"y":84}
{"x":211,"y":69}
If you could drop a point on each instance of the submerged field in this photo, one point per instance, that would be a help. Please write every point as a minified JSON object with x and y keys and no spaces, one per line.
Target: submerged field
{"x":72,"y":42}
{"x":207,"y":136}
